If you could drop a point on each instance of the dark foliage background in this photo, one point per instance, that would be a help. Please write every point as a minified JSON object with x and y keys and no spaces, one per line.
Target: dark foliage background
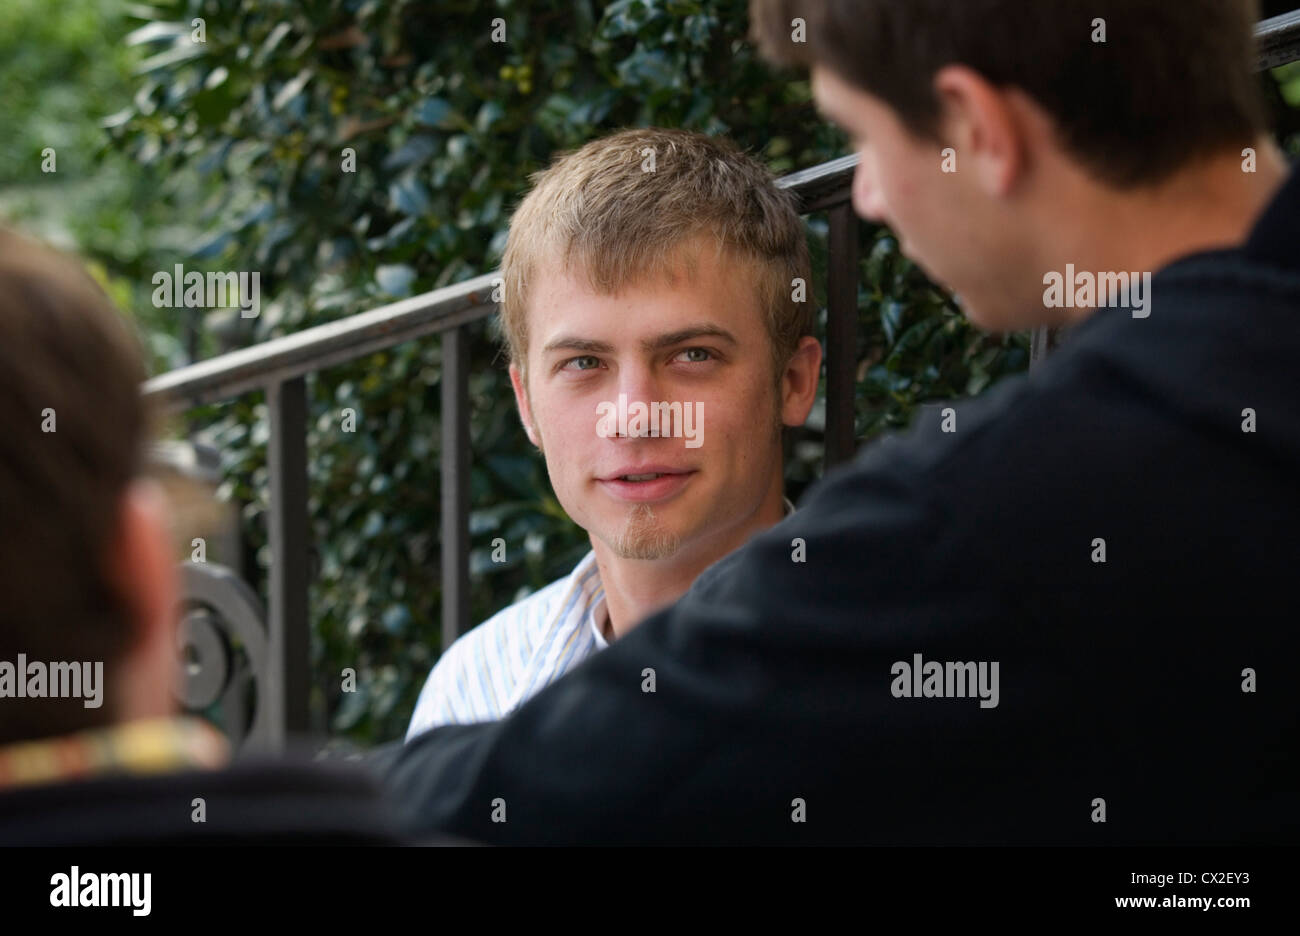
{"x":229,"y":154}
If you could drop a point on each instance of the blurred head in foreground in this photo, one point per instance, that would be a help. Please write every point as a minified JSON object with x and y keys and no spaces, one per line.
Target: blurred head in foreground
{"x":86,"y":563}
{"x":91,"y":748}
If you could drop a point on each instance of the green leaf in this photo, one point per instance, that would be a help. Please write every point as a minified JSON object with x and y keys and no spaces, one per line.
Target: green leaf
{"x":395,"y":279}
{"x":408,"y":196}
{"x":488,"y":114}
{"x":434,"y":112}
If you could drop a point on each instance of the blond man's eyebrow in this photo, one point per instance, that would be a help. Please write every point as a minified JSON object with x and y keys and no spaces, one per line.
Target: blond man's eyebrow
{"x":658,"y":343}
{"x":574,"y":343}
{"x":689,"y":333}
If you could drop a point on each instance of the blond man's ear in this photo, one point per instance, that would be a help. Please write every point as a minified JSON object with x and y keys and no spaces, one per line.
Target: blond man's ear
{"x":799,"y":382}
{"x":525,"y":408}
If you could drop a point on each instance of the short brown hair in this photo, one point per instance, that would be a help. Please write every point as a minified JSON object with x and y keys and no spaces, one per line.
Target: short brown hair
{"x":597,"y":211}
{"x":68,"y":362}
{"x":1172,"y":82}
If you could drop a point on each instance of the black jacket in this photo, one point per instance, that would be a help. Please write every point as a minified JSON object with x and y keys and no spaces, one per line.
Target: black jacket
{"x":248,"y":803}
{"x":1123,"y":684}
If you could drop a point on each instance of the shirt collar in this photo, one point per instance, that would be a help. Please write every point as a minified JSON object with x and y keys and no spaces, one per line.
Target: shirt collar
{"x":595,"y":617}
{"x":590,"y":600}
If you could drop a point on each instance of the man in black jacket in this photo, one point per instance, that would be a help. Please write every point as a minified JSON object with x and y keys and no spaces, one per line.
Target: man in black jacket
{"x":1061,"y":613}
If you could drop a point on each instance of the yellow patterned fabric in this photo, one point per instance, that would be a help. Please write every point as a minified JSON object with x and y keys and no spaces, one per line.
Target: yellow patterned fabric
{"x":140,"y":747}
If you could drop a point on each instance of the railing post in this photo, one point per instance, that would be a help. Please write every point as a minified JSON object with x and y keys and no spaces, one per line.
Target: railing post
{"x":841,"y":333}
{"x":284,"y":691}
{"x":455,"y":485}
{"x":1042,"y":342}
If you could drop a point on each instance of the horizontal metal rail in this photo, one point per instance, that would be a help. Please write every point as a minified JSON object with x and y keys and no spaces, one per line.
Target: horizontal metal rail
{"x":322,"y":346}
{"x":1278,"y":40}
{"x":823,"y":186}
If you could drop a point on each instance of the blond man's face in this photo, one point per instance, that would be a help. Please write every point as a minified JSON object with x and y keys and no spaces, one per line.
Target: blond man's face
{"x":702,"y":341}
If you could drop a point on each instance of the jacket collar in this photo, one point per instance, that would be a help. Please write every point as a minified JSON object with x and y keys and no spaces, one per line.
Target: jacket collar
{"x":1275,"y":239}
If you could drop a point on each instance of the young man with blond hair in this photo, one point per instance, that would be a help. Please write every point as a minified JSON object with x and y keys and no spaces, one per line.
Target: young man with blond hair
{"x":657,"y":350}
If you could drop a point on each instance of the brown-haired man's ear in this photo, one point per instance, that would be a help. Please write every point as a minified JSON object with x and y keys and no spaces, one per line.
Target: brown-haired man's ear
{"x":985,"y":124}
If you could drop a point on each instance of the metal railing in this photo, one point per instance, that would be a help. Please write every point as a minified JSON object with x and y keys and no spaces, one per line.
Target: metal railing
{"x":280,"y":367}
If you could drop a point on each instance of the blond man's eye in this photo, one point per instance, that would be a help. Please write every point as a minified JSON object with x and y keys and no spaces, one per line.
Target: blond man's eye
{"x":696,"y":355}
{"x":586,"y":362}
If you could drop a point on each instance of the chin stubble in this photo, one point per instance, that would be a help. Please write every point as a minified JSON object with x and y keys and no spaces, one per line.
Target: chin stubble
{"x":644,"y":537}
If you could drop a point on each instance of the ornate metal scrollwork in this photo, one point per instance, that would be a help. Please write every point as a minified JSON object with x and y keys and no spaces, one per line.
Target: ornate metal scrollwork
{"x":222,"y":642}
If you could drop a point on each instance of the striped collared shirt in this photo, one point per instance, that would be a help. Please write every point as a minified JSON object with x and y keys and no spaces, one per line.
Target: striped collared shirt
{"x":516,"y":653}
{"x":520,"y":650}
